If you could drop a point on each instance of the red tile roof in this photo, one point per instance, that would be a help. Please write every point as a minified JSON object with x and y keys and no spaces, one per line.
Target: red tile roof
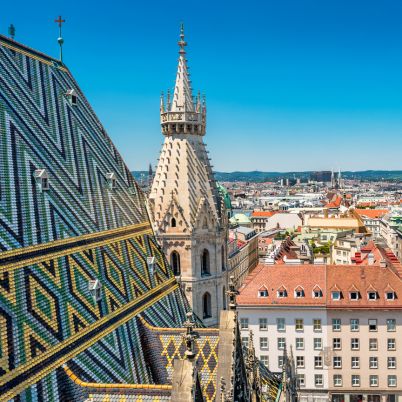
{"x":264,"y":214}
{"x":372,"y":213}
{"x":327,"y":278}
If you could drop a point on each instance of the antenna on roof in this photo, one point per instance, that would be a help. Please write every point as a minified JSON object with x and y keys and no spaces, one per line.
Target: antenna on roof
{"x":11,"y":31}
{"x":60,"y":39}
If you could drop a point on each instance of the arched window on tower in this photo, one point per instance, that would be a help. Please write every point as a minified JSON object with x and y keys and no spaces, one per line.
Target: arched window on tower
{"x":224,"y":298}
{"x":173,"y":223}
{"x":205,"y":269}
{"x":175,"y":262}
{"x":223,"y":258}
{"x":206,"y":305}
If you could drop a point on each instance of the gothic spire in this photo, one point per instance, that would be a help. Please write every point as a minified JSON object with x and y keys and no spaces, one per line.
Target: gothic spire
{"x":182,"y":97}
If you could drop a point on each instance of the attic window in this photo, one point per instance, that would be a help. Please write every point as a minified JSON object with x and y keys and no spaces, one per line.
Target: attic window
{"x":299,"y":292}
{"x":372,"y":295}
{"x":354,"y":295}
{"x":317,"y":293}
{"x":282,"y":293}
{"x":336,"y":295}
{"x":95,"y":287}
{"x":151,"y":265}
{"x":111,"y":180}
{"x":72,"y":96}
{"x":42,"y":179}
{"x":173,"y":223}
{"x":390,"y":295}
{"x":263,"y":292}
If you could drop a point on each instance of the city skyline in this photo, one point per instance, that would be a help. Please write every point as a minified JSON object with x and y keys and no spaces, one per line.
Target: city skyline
{"x":280,"y":97}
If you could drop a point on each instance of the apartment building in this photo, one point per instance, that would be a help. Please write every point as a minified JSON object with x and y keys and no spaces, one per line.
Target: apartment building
{"x":342,"y":324}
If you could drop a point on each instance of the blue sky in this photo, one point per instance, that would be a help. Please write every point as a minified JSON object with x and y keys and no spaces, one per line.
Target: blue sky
{"x":290,"y":84}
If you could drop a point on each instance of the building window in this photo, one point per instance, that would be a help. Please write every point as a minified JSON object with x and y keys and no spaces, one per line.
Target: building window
{"x":354,"y":344}
{"x":317,"y":361}
{"x":373,"y":362}
{"x":355,"y":364}
{"x":318,"y":380}
{"x":391,"y":398}
{"x":317,"y":344}
{"x":299,"y":325}
{"x":354,"y":295}
{"x":391,"y":344}
{"x":391,"y":325}
{"x":223,"y":258}
{"x":391,"y":362}
{"x":373,"y":344}
{"x":282,"y":293}
{"x":336,"y":324}
{"x":263,"y":292}
{"x":175,"y":262}
{"x":243,"y":323}
{"x":95,"y":288}
{"x":244,"y":341}
{"x":173,"y":223}
{"x":281,"y":343}
{"x":263,"y":324}
{"x":299,"y":361}
{"x":205,"y":268}
{"x":72,"y":96}
{"x":374,"y":381}
{"x":317,"y":325}
{"x":301,"y":381}
{"x":336,"y":295}
{"x":392,"y":381}
{"x":355,"y":380}
{"x":224,"y":298}
{"x":280,"y":361}
{"x":317,"y":293}
{"x":299,"y":343}
{"x":280,"y":324}
{"x":354,"y":324}
{"x":337,"y":380}
{"x":337,"y":362}
{"x":372,"y":323}
{"x":390,"y":295}
{"x":336,"y":343}
{"x":264,"y":360}
{"x":206,"y":305}
{"x":299,"y":292}
{"x":372,"y":295}
{"x":42,"y":179}
{"x":264,"y":343}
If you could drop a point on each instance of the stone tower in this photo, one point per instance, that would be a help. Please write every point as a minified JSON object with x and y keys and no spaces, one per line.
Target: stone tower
{"x":185,"y":205}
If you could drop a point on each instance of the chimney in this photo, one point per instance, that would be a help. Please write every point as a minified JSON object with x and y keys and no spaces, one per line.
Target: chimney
{"x":383,"y":264}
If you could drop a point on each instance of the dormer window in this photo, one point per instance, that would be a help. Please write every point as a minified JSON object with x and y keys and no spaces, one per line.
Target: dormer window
{"x":95,"y":288}
{"x":354,"y":295}
{"x":42,"y":179}
{"x":263,"y":292}
{"x":336,"y":295}
{"x":390,"y":295}
{"x":151,"y":265}
{"x":282,"y":293}
{"x":111,"y":180}
{"x":372,"y":295}
{"x":299,"y":292}
{"x":317,"y":292}
{"x":72,"y":96}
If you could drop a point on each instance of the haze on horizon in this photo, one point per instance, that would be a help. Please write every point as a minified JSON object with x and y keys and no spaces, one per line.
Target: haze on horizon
{"x":290,"y":85}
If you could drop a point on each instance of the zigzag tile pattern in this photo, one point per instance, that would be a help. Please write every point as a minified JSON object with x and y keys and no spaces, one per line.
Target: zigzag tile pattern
{"x":54,"y":241}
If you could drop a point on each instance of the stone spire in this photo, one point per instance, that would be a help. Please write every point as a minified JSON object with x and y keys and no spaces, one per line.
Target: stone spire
{"x":182,"y":97}
{"x":181,"y":114}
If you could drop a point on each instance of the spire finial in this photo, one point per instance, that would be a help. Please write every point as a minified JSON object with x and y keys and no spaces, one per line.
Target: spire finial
{"x":11,"y":31}
{"x":60,"y":39}
{"x":182,"y":43}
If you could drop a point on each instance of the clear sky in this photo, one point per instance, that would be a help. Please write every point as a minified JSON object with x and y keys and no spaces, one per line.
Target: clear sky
{"x":290,"y":84}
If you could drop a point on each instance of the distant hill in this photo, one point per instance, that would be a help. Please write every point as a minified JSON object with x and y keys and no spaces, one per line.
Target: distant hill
{"x":257,"y":176}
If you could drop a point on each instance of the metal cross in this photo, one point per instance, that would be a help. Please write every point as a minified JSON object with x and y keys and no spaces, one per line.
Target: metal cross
{"x":60,"y":39}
